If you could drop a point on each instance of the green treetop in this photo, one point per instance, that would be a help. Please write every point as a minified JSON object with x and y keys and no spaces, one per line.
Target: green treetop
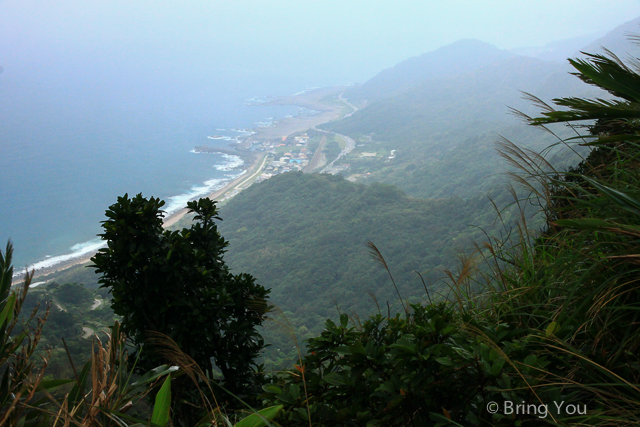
{"x":176,"y":283}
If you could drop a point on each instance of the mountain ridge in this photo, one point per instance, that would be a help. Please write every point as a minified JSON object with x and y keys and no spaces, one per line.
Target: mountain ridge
{"x":453,"y":59}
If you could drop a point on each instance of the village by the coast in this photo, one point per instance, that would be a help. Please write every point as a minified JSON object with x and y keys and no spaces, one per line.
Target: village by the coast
{"x":295,"y":159}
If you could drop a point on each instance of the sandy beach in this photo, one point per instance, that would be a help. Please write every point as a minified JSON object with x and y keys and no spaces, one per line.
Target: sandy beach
{"x":254,"y":162}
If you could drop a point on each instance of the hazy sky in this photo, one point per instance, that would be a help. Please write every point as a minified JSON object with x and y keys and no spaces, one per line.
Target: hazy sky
{"x":328,"y":41}
{"x":95,"y":91}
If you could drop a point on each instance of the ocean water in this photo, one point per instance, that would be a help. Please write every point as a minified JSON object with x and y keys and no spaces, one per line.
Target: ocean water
{"x":70,"y":147}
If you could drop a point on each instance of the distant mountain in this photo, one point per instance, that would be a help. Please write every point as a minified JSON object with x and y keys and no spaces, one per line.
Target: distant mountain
{"x":558,"y":51}
{"x":562,"y":83}
{"x":439,"y":102}
{"x":617,"y":40}
{"x":444,"y":128}
{"x":441,"y":112}
{"x":458,"y":58}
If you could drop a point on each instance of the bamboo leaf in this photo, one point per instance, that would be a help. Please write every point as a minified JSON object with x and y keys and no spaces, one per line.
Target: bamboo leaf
{"x":259,"y":419}
{"x":620,"y":198}
{"x":7,"y":312}
{"x":584,"y":223}
{"x":48,"y":385}
{"x":153,"y":375}
{"x":162,"y":405}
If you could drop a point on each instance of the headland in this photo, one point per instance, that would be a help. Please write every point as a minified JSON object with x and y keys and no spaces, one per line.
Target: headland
{"x":320,"y":106}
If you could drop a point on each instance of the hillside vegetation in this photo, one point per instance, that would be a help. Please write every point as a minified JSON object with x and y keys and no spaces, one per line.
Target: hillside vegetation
{"x":551,"y":339}
{"x":444,"y":119}
{"x":305,"y":236}
{"x":537,"y":325}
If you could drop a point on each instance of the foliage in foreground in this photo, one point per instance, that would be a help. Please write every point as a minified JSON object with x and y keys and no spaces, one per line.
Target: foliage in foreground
{"x":176,"y":283}
{"x":414,"y":370}
{"x":557,"y":330}
{"x":554,"y":339}
{"x":104,"y":392}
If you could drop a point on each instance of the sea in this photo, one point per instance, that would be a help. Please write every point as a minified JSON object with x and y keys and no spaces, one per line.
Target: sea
{"x":70,"y":145}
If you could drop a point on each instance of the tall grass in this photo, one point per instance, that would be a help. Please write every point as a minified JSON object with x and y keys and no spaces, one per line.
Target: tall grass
{"x":573,"y":288}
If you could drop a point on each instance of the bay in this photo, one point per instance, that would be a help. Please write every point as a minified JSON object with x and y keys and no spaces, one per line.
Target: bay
{"x":71,"y":144}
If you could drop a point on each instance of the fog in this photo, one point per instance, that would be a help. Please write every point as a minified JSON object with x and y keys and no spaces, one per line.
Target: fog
{"x":320,"y":42}
{"x":99,"y":98}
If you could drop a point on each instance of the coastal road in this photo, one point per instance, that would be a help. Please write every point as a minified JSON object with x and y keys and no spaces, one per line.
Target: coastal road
{"x":351,"y":144}
{"x":349,"y":104}
{"x":241,"y":185}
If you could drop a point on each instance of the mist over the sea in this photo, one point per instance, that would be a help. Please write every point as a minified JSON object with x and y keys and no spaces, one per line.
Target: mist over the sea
{"x":102,"y":98}
{"x":71,"y":142}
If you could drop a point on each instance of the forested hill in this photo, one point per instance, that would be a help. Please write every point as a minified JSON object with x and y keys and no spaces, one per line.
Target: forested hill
{"x":443,"y":125}
{"x":304,"y":236}
{"x":617,"y":41}
{"x":444,"y":130}
{"x":444,"y":103}
{"x":460,"y":57}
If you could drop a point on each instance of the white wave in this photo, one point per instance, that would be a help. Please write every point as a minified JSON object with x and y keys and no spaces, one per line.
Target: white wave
{"x":33,"y":285}
{"x":233,"y":162}
{"x":302,"y":92}
{"x":265,"y":123}
{"x":175,"y":203}
{"x":259,"y":100}
{"x":79,"y":250}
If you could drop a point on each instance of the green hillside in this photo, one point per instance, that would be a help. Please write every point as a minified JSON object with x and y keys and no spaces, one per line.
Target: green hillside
{"x":443,"y":129}
{"x":552,"y":337}
{"x":305,"y":237}
{"x":402,"y":300}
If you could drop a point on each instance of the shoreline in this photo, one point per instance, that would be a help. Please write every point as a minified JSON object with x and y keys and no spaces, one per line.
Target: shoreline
{"x":242,"y":177}
{"x":254,"y":162}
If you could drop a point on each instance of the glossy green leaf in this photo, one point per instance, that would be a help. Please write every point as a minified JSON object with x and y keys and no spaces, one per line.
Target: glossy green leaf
{"x":335,"y":378}
{"x":162,"y":406}
{"x":445,"y":361}
{"x":7,"y":312}
{"x":496,"y":368}
{"x":344,"y":320}
{"x":259,"y":419}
